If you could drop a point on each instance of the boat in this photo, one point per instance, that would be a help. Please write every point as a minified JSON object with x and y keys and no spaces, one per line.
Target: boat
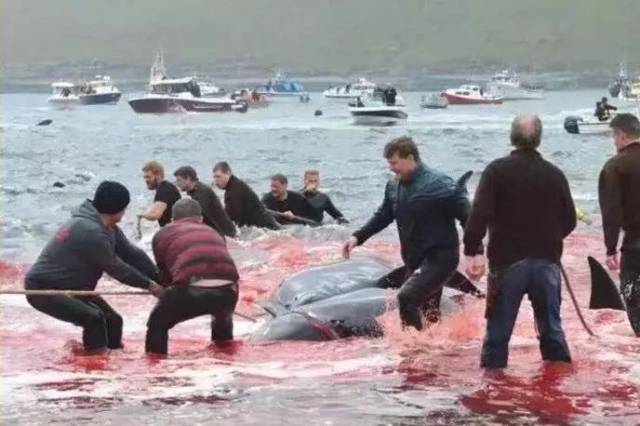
{"x":621,"y":85}
{"x":590,"y":126}
{"x":350,"y":91}
{"x":471,"y":95}
{"x":208,"y":89}
{"x":631,"y":92}
{"x":99,"y":91}
{"x":434,"y":101}
{"x":63,"y":94}
{"x":251,"y":97}
{"x":281,"y":87}
{"x":182,"y":95}
{"x":378,"y":110}
{"x":507,"y":84}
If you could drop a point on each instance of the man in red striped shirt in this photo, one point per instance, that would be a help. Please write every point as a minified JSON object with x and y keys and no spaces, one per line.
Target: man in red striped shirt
{"x":201,"y":277}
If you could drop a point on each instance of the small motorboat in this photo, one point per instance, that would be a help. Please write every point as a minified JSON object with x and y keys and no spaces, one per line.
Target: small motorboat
{"x":99,"y":91}
{"x":63,"y":94}
{"x":577,"y":125}
{"x":621,"y":85}
{"x":251,"y":97}
{"x":471,"y":95}
{"x":508,"y":85}
{"x":379,"y":109}
{"x":350,"y":91}
{"x":281,"y":87}
{"x":434,"y":101}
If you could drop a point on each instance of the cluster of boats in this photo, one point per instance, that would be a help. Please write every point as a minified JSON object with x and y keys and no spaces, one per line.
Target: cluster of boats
{"x":97,"y":91}
{"x":623,"y":88}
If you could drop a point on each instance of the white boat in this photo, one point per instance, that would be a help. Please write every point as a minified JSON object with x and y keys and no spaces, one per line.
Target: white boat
{"x":251,"y":97}
{"x":376,"y":110}
{"x":350,"y":91}
{"x":590,"y":126}
{"x":281,"y":87}
{"x":471,"y":95}
{"x":63,"y":94}
{"x":99,"y":91}
{"x":631,"y":92}
{"x":208,"y":89}
{"x":434,"y":101}
{"x":182,"y":94}
{"x":621,"y":85}
{"x":508,"y":85}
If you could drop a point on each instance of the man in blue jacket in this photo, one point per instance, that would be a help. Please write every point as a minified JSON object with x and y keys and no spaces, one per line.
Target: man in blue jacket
{"x":84,"y":248}
{"x":424,"y":203}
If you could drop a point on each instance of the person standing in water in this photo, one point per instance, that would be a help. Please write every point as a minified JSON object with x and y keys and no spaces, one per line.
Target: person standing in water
{"x":287,"y":206}
{"x":165,"y":197}
{"x":425,"y":204}
{"x":619,"y":196}
{"x":319,"y":200}
{"x":525,"y":203}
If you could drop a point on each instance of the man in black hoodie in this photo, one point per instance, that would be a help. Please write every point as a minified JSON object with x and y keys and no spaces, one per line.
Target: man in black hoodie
{"x":240,"y":202}
{"x":85,"y":247}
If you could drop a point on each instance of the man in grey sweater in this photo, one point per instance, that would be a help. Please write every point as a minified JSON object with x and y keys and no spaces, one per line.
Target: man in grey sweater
{"x":85,"y":247}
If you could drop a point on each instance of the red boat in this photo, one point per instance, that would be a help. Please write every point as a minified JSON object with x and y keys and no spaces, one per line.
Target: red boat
{"x":470,"y":95}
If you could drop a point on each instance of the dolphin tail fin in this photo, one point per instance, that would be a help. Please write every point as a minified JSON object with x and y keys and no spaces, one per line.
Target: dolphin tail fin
{"x":604,"y":294}
{"x":461,"y":183}
{"x":459,"y":282}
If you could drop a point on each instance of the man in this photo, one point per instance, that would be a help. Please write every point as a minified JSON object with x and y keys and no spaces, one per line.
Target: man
{"x":288,"y":206}
{"x":88,"y":245}
{"x":318,"y":200}
{"x":425,"y":204}
{"x":212,"y":210}
{"x":200,"y":275}
{"x":619,"y":195}
{"x":166,"y":194}
{"x":240,"y":202}
{"x":526,"y":204}
{"x":603,"y":108}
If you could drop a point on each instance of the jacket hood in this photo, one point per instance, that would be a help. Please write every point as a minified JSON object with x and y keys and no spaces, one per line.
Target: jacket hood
{"x":86,"y":210}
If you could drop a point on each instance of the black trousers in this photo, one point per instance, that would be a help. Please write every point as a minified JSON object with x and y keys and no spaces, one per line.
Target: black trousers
{"x":101,"y":324}
{"x":630,"y":285}
{"x":180,"y":304}
{"x":421,"y":289}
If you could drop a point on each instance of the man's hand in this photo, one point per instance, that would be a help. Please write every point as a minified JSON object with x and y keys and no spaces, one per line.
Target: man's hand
{"x":156,"y":289}
{"x":348,"y":246}
{"x":612,"y":262}
{"x":288,"y":214}
{"x":475,"y":266}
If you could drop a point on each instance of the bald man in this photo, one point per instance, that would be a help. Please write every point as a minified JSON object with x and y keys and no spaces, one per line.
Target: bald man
{"x":525,"y":203}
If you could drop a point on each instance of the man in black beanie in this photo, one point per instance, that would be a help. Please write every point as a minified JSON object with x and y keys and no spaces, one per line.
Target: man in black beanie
{"x":85,"y":247}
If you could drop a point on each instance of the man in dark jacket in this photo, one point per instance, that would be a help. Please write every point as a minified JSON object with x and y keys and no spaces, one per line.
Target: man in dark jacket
{"x":619,"y":194}
{"x":525,"y":203}
{"x":288,"y":207}
{"x":88,"y":245}
{"x":425,"y":204}
{"x":240,"y":202}
{"x":319,"y":200}
{"x":212,"y":210}
{"x":201,"y":275}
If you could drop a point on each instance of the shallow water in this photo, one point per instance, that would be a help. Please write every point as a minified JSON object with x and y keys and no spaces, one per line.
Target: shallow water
{"x":403,"y":378}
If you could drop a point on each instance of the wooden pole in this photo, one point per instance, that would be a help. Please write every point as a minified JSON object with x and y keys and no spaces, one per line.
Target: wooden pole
{"x":93,"y":293}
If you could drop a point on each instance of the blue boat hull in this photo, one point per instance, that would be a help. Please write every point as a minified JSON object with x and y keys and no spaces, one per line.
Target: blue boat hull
{"x":105,"y":98}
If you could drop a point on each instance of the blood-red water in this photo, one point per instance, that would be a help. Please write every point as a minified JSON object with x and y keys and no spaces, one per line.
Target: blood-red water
{"x":405,"y":377}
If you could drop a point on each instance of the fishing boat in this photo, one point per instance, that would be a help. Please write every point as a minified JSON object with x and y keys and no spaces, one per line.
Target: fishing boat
{"x":507,"y":84}
{"x":590,"y":126}
{"x":471,"y":95}
{"x":281,"y":87}
{"x":99,"y":91}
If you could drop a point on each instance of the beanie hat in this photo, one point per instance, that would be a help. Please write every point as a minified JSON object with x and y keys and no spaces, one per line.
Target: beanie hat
{"x":111,"y":197}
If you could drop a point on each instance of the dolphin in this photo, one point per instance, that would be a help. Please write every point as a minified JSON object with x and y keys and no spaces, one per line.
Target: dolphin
{"x":604,"y":294}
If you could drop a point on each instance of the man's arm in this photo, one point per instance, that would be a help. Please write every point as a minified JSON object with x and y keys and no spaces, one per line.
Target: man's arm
{"x":380,"y":219}
{"x":569,"y":216}
{"x":482,"y":212}
{"x":155,"y":211}
{"x":610,"y":199}
{"x":134,"y":256}
{"x":220,"y":217}
{"x":164,"y":275}
{"x":98,"y":252}
{"x":333,"y":211}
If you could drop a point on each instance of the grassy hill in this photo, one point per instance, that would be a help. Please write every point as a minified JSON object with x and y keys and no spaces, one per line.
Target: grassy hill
{"x":325,"y":36}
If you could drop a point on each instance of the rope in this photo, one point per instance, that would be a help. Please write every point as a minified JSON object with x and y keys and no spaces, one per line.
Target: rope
{"x":575,"y":302}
